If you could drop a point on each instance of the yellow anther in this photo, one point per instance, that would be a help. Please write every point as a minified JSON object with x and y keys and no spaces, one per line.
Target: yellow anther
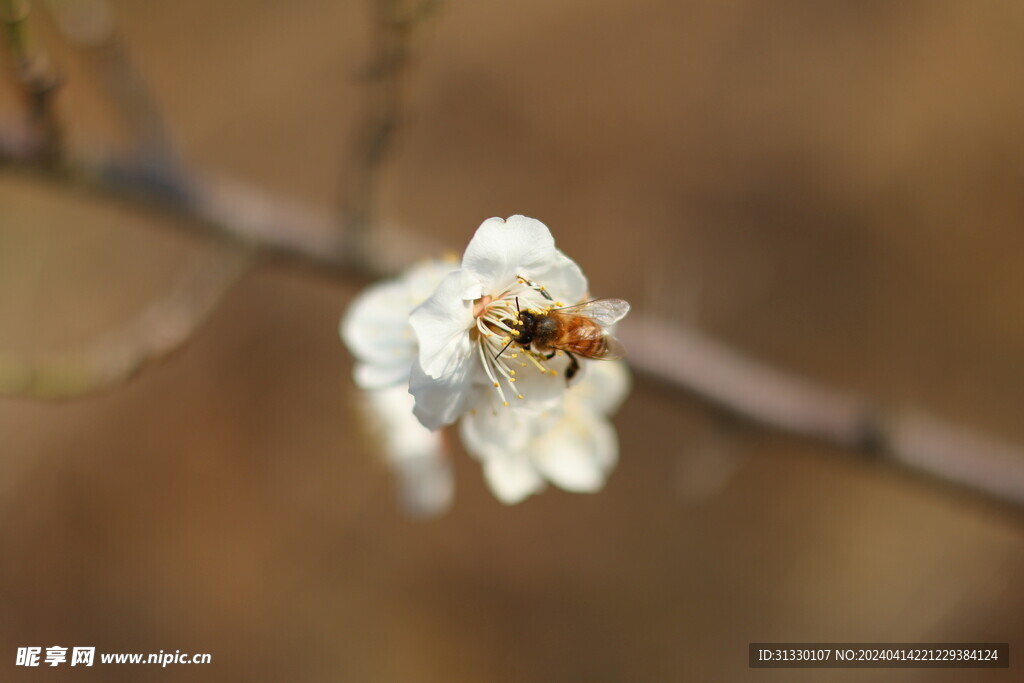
{"x":515,"y":355}
{"x":511,"y":379}
{"x":554,"y":372}
{"x":506,"y":404}
{"x":519,"y":396}
{"x":511,"y":372}
{"x":495,"y":384}
{"x":560,"y":353}
{"x":515,"y":333}
{"x":534,"y":361}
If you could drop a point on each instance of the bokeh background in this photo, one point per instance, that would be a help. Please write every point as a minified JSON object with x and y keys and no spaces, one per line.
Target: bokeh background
{"x":833,"y":188}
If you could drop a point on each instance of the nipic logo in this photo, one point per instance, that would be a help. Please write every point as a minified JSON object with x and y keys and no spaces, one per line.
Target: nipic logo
{"x":55,"y":655}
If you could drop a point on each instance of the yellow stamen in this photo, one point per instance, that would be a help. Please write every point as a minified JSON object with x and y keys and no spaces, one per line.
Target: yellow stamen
{"x":539,"y":366}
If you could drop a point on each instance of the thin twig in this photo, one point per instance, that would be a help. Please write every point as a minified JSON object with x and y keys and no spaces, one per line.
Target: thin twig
{"x":158,"y":330}
{"x":91,"y":26}
{"x":394,"y":24}
{"x":38,"y":79}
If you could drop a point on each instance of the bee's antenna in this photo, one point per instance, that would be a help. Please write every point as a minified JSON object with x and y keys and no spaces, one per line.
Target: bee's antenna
{"x":503,"y":349}
{"x":517,"y":306}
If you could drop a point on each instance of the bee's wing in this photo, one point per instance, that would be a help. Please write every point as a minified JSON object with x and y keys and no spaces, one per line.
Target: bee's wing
{"x":613,"y":348}
{"x":602,"y":311}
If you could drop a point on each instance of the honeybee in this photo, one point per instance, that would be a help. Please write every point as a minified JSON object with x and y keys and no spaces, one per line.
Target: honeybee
{"x":574,"y":330}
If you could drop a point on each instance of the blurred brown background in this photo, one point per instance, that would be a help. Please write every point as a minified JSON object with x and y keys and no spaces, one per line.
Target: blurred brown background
{"x":834,"y":188}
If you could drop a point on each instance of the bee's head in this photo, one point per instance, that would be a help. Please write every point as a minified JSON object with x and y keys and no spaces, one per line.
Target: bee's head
{"x":529,"y":321}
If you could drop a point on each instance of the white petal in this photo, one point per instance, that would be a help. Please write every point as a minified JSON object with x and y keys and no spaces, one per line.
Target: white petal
{"x":375,"y":327}
{"x":500,"y":250}
{"x":577,"y":453}
{"x":512,"y":478}
{"x":439,"y":402}
{"x":494,"y":430}
{"x":369,"y":376}
{"x":606,"y":444}
{"x":604,"y":386}
{"x":422,"y":279}
{"x":541,"y":391}
{"x":442,"y":324}
{"x":415,"y":454}
{"x":390,"y":412}
{"x":426,"y":485}
{"x":564,"y":280}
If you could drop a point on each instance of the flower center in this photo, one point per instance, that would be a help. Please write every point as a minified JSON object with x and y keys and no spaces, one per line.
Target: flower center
{"x":480,"y":305}
{"x":498,"y":324}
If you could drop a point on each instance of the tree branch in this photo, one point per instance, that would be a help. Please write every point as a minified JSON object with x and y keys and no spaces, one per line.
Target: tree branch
{"x":687,"y":359}
{"x":680,"y":357}
{"x":394,"y":25}
{"x":161,"y":328}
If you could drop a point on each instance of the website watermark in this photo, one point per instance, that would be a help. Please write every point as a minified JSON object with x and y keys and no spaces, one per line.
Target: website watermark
{"x":57,"y":655}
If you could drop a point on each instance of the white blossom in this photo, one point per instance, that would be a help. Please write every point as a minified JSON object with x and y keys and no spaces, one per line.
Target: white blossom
{"x":444,"y":332}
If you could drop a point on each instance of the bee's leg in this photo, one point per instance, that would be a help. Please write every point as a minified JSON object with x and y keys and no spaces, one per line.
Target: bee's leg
{"x":550,"y":355}
{"x":574,"y":367}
